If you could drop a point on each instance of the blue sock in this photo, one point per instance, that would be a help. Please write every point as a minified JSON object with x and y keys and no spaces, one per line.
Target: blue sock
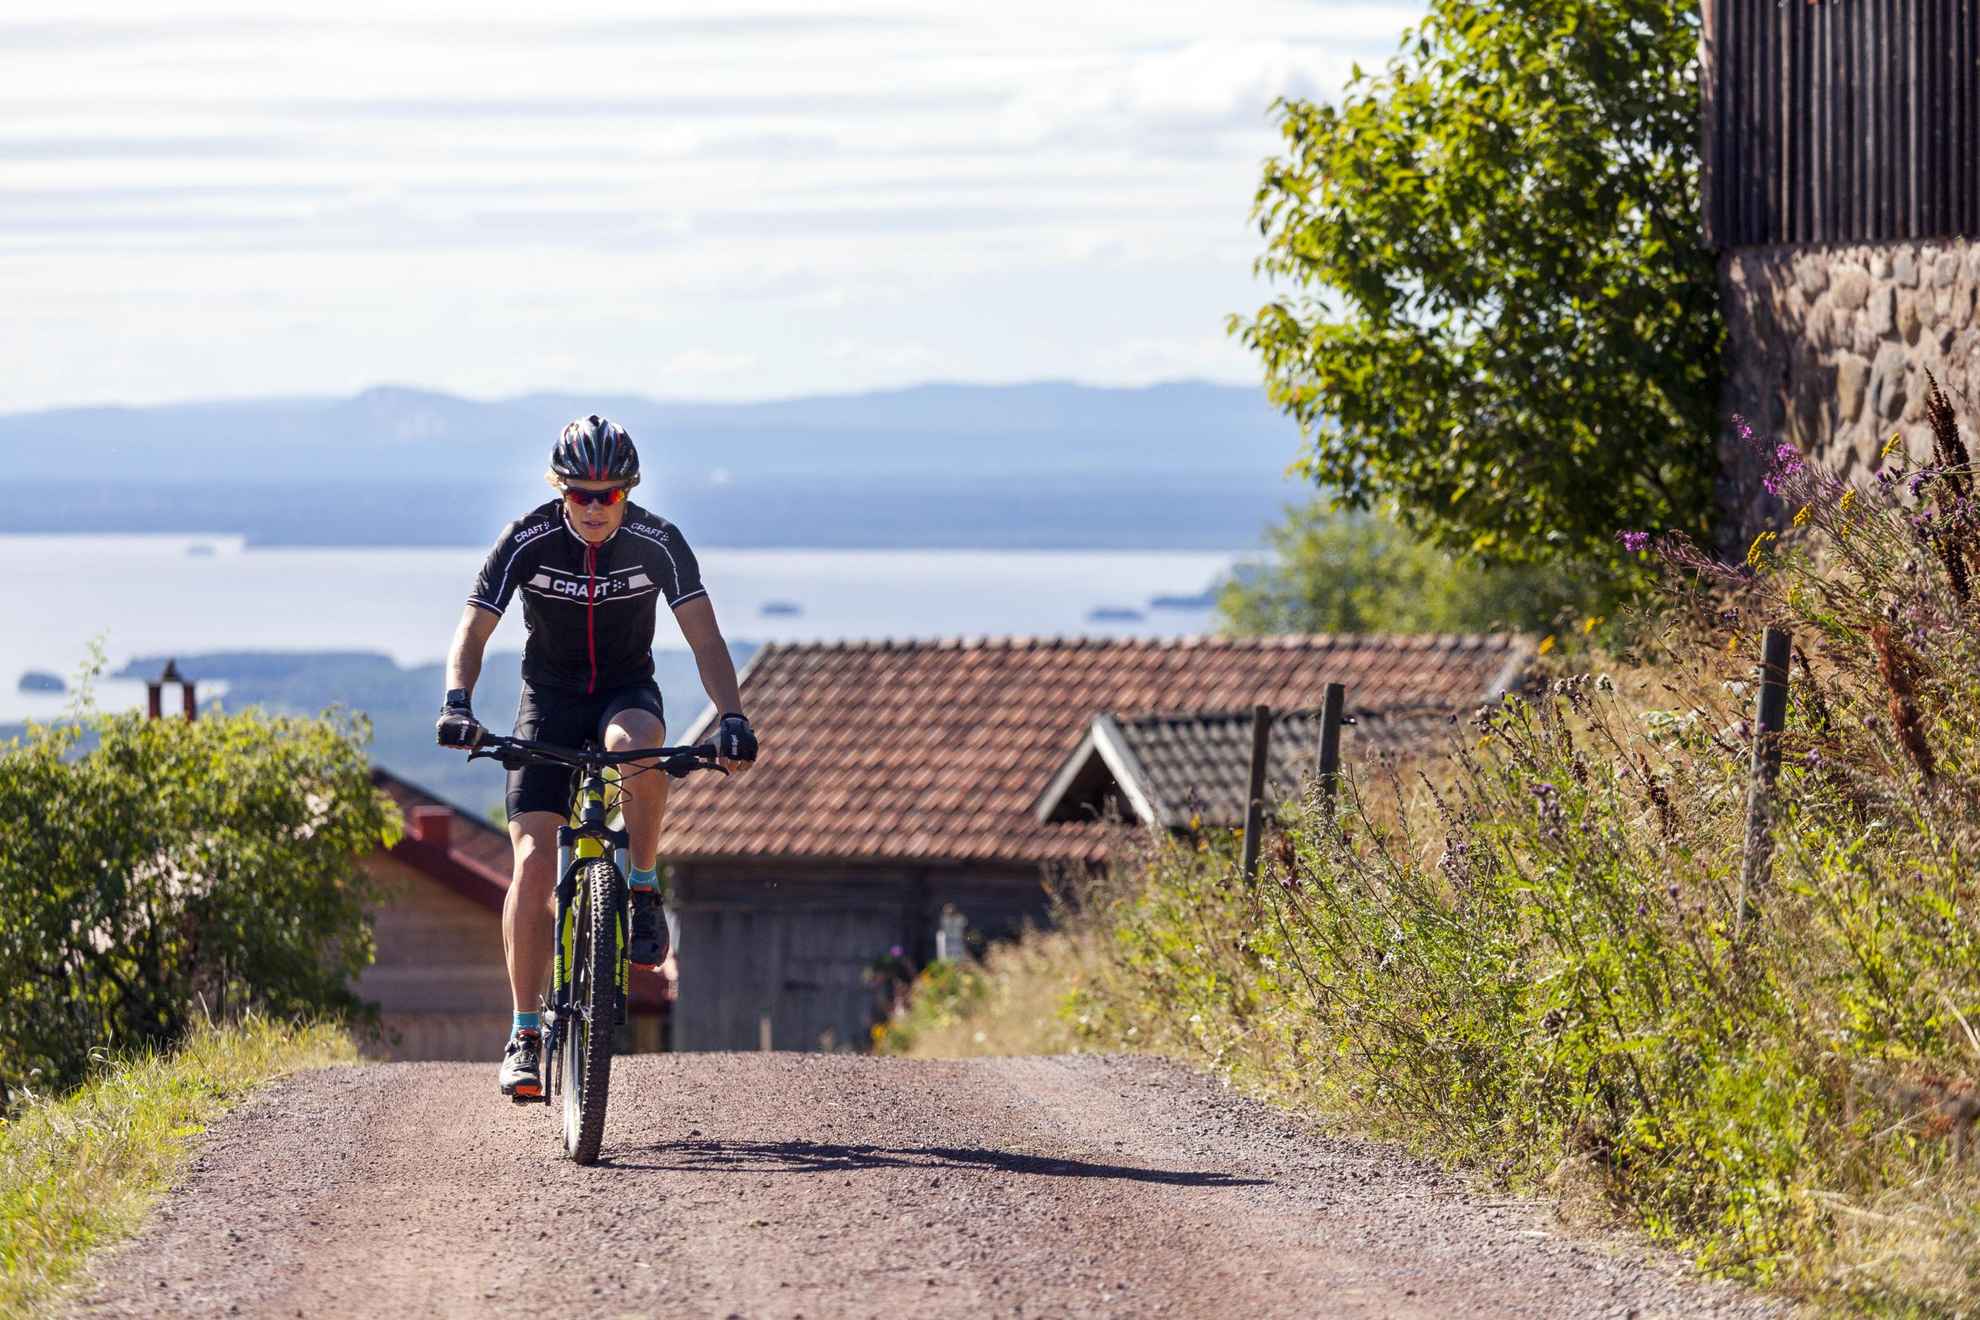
{"x":528,"y":1022}
{"x":648,"y":879}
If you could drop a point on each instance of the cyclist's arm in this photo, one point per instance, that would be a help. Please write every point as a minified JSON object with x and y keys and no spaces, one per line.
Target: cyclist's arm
{"x":470,"y":640}
{"x":711,"y":653}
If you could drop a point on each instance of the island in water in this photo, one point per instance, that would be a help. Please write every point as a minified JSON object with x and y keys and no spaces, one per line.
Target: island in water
{"x":37,"y":680}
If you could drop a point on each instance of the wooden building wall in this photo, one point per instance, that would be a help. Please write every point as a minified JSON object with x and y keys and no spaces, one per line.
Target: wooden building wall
{"x":438,"y":978}
{"x":1839,"y":121}
{"x":786,"y":944}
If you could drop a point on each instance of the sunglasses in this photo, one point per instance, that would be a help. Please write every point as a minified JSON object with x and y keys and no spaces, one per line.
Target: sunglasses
{"x":605,"y":497}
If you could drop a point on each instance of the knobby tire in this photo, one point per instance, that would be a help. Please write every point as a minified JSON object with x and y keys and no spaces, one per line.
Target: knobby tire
{"x":587,"y":1042}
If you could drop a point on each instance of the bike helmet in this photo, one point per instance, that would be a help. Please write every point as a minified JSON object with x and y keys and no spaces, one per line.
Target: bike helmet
{"x":593,"y":449}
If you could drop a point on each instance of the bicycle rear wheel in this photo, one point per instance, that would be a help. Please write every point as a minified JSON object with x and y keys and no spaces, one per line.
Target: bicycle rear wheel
{"x":593,"y":1012}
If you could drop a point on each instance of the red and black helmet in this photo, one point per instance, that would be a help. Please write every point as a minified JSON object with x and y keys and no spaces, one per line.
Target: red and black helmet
{"x":593,"y":449}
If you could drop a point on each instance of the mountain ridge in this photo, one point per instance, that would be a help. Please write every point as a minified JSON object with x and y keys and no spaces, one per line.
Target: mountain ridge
{"x":933,"y":430}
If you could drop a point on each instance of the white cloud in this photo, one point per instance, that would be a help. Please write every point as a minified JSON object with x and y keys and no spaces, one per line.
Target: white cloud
{"x":698,"y":364}
{"x":1215,"y":84}
{"x":786,"y":201}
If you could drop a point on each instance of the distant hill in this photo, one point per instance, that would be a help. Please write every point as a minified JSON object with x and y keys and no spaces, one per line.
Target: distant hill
{"x":1184,"y":465}
{"x":940,"y":431}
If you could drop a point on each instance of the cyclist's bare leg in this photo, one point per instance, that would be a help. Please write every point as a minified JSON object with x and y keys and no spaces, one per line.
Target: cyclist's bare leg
{"x":645,"y":794}
{"x":529,"y":910}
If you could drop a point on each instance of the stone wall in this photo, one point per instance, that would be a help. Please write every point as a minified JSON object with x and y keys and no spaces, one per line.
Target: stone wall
{"x":1827,"y":348}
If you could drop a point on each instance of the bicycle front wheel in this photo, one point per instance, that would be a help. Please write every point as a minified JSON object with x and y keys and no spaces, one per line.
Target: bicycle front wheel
{"x":594,"y":1008}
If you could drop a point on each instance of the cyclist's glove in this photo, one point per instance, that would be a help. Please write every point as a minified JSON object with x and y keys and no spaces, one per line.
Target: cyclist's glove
{"x":735,"y":741}
{"x":457,"y":726}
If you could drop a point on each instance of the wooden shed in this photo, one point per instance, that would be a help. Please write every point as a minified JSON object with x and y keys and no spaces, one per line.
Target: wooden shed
{"x":438,"y":978}
{"x":901,"y":777}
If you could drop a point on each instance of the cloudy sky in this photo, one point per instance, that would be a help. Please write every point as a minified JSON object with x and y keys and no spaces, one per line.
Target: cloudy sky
{"x":681,"y":201}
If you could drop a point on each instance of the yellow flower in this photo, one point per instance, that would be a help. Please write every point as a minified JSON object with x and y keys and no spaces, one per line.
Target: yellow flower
{"x":1592,"y":622}
{"x":1732,"y":643}
{"x":1757,"y":552}
{"x":1890,"y":446}
{"x":1801,"y":515}
{"x":1848,"y":499}
{"x":1546,"y":643}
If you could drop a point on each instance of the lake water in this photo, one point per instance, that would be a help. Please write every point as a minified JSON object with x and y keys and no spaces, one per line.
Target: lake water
{"x":172,"y":594}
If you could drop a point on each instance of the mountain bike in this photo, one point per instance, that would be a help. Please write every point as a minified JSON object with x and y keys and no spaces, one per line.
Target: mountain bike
{"x":589,"y":977}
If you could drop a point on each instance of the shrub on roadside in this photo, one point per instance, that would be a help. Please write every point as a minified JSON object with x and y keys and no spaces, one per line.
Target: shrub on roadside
{"x":175,"y":870}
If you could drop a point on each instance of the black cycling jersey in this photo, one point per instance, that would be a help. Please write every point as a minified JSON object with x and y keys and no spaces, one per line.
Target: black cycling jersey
{"x":589,"y":610}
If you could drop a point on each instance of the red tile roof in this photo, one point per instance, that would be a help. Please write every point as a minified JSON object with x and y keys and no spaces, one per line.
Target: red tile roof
{"x":478,"y":858}
{"x":939,"y":750}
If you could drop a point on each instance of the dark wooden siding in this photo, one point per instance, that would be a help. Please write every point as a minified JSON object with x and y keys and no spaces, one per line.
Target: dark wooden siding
{"x":1841,"y":120}
{"x":783,"y":945}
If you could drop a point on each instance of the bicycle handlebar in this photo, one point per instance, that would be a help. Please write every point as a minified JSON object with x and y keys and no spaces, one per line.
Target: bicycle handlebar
{"x":515,"y":753}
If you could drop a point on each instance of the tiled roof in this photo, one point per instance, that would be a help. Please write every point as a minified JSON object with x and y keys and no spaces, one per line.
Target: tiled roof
{"x":480,"y":852}
{"x":1197,"y":768}
{"x":939,"y":750}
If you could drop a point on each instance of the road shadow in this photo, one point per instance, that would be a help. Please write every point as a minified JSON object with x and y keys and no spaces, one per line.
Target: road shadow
{"x":760,"y":1157}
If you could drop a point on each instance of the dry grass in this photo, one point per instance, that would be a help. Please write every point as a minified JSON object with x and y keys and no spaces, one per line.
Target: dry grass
{"x":1023,"y":999}
{"x":81,"y":1171}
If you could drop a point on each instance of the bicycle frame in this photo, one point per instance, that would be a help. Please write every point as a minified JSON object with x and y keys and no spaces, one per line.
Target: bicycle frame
{"x":594,"y":800}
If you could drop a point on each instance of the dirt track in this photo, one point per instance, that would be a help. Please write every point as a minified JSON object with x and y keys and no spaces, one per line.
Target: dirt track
{"x":817,"y":1185}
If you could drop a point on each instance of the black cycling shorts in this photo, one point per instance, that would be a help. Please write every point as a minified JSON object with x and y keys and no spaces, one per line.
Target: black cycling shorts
{"x":567,"y":719}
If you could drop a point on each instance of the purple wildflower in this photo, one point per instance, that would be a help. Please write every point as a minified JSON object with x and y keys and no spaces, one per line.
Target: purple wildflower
{"x":1634,"y":542}
{"x":1787,"y":462}
{"x":895,"y":952}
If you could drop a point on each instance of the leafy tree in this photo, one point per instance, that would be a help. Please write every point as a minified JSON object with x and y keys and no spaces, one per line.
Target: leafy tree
{"x":1346,"y":572}
{"x":1506,"y":322}
{"x":172,"y":867}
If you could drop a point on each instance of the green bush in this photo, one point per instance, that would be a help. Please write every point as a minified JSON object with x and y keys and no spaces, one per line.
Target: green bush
{"x":171,"y":871}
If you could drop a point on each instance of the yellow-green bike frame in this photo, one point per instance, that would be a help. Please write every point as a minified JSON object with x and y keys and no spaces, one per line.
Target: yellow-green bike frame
{"x":595,"y":803}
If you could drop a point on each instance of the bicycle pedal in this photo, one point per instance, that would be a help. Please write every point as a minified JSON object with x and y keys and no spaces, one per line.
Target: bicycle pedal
{"x":529,"y":1098}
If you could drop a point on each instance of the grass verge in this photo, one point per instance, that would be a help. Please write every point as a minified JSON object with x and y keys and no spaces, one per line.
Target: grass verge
{"x":81,"y":1171}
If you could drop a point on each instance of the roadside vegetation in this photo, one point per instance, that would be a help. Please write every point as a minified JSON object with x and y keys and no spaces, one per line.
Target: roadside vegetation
{"x":82,"y":1170}
{"x":1529,"y":954}
{"x":173,"y":896}
{"x":154,"y":873}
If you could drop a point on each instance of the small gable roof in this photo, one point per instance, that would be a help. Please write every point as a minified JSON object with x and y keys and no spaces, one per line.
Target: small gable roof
{"x":1182,"y":770}
{"x":938,"y":751}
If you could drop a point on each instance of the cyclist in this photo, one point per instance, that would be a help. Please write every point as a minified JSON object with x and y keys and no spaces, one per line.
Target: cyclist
{"x":591,"y":567}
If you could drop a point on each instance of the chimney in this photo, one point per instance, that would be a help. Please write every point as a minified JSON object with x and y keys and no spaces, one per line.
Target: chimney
{"x":155,"y":692}
{"x":433,"y":825}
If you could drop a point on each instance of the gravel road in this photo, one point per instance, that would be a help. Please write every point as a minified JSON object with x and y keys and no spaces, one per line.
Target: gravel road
{"x":822,"y":1185}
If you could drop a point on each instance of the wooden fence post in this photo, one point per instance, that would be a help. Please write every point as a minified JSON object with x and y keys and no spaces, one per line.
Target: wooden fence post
{"x":1330,"y":743}
{"x":1770,"y":718}
{"x":1254,"y":798}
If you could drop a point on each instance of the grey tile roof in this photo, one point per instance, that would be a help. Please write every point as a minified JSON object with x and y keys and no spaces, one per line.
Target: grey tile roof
{"x":1188,"y":768}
